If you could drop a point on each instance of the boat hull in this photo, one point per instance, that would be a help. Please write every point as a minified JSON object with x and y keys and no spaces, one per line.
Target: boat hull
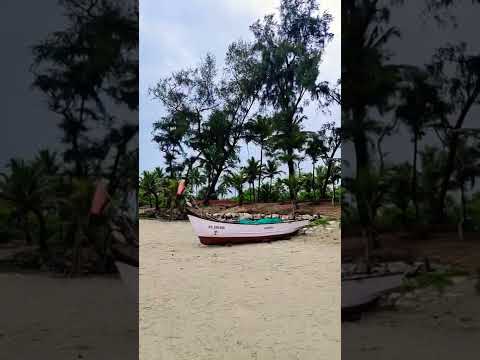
{"x":223,"y":233}
{"x":360,"y":291}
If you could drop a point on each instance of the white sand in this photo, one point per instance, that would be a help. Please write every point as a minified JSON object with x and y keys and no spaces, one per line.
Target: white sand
{"x":426,"y":326}
{"x":45,"y":317}
{"x":278,"y":300}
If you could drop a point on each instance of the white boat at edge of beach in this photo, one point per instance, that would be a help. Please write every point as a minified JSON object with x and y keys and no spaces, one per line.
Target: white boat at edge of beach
{"x":215,"y":232}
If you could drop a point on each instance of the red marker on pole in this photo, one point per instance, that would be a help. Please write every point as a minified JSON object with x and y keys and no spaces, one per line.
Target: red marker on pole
{"x":181,"y":187}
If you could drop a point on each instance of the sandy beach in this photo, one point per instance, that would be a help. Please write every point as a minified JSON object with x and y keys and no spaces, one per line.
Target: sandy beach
{"x":278,"y":300}
{"x":424,"y":325}
{"x":50,"y":317}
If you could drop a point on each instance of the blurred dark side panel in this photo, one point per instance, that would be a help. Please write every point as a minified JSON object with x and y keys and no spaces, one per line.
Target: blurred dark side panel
{"x":411,"y":170}
{"x":69,"y":169}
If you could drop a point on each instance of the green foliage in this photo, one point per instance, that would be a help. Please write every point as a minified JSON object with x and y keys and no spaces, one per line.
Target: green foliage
{"x":205,"y":113}
{"x":276,"y":71}
{"x":78,"y":68}
{"x":439,"y":280}
{"x":320,"y":221}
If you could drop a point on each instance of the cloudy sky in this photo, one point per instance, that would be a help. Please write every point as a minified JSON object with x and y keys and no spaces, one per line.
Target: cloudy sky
{"x":177,"y":34}
{"x":27,"y":124}
{"x":419,"y":39}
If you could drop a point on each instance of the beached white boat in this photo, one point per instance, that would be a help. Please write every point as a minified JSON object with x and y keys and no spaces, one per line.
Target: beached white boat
{"x":214,"y":232}
{"x":359,"y":290}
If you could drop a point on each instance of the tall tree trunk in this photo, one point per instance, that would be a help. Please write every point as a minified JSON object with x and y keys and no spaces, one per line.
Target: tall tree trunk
{"x":313,"y":180}
{"x":211,"y":188}
{"x":291,"y":176}
{"x":76,"y":148}
{"x":463,"y":210}
{"x":414,"y":175}
{"x":26,"y":229}
{"x":260,"y":174}
{"x":362,"y":170}
{"x":157,"y":205}
{"x":464,"y":201}
{"x":113,"y":183}
{"x":43,"y":230}
{"x":449,"y":167}
{"x":333,"y":196}
{"x":172,"y":173}
{"x":453,"y":144}
{"x":323,"y":194}
{"x":270,"y":190}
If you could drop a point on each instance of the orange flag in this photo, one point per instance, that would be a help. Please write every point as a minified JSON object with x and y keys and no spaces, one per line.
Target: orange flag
{"x":181,"y":187}
{"x":100,"y":198}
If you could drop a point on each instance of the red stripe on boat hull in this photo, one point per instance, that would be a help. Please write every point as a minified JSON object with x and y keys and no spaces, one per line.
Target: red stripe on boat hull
{"x":211,"y":240}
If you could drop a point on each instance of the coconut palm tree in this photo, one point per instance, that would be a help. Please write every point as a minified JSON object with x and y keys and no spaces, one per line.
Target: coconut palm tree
{"x":467,"y":170}
{"x":365,"y":32}
{"x":27,"y":190}
{"x":149,"y":184}
{"x":48,"y":161}
{"x":314,"y":150}
{"x":196,"y":179}
{"x":433,"y":161}
{"x":400,"y":191}
{"x":259,"y":130}
{"x":419,"y":107}
{"x":252,"y":171}
{"x":335,"y":176}
{"x":271,"y":170}
{"x":321,"y":177}
{"x":236,"y":180}
{"x":222,"y":190}
{"x":291,"y":49}
{"x":288,"y":139}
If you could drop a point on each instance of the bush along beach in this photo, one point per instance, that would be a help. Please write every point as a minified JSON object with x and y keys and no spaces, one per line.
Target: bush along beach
{"x":46,"y":220}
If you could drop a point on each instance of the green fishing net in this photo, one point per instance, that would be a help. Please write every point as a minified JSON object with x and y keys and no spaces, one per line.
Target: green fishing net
{"x":274,"y":220}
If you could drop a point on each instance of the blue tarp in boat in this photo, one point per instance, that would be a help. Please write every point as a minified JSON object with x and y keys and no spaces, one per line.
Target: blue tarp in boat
{"x":274,"y":220}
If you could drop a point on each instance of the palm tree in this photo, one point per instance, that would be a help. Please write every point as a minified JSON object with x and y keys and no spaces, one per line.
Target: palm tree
{"x":252,"y":171}
{"x":196,"y":179}
{"x":321,"y":177}
{"x":468,"y":169}
{"x":222,"y":190}
{"x":290,"y":50}
{"x":100,"y":64}
{"x":236,"y":180}
{"x":271,"y":170}
{"x":400,"y":190}
{"x":26,"y":189}
{"x":365,"y":31}
{"x":149,"y":185}
{"x":314,"y":150}
{"x":259,"y":130}
{"x":288,"y":139}
{"x":419,"y":107}
{"x":48,"y":161}
{"x":335,"y":176}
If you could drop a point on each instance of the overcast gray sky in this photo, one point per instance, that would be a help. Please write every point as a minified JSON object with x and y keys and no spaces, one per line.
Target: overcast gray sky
{"x":418,"y":41}
{"x":177,"y":34}
{"x":27,"y":124}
